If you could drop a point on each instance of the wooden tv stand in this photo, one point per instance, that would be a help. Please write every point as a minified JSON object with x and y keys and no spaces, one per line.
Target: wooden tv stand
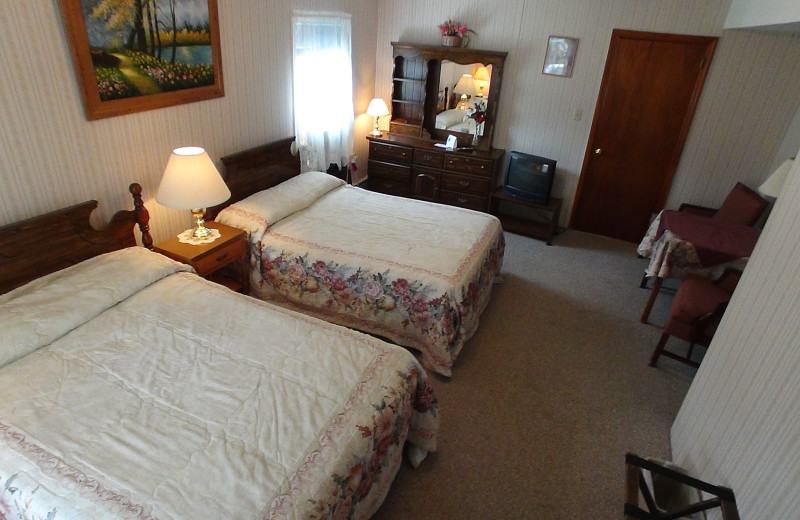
{"x":541,"y":230}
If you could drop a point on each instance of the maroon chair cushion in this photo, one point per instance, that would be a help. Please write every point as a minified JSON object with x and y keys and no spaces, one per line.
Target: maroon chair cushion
{"x":742,"y":207}
{"x":696,"y":297}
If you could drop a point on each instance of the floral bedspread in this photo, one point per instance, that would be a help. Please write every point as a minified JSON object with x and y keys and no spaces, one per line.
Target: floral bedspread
{"x":672,"y":257}
{"x":417,"y":273}
{"x":146,"y":408}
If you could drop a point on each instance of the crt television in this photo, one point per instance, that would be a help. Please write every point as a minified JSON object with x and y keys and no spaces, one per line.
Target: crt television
{"x":529,"y":177}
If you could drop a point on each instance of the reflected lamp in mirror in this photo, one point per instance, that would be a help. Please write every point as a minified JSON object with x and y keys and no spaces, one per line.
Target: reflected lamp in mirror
{"x":772,"y":186}
{"x":465,"y":87}
{"x":191,"y":181}
{"x":481,"y":78}
{"x":377,"y":108}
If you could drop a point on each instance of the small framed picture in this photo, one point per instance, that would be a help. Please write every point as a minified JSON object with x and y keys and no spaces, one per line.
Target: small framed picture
{"x":560,"y":56}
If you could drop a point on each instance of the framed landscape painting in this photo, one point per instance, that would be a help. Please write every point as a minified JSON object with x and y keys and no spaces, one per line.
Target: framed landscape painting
{"x":136,"y":55}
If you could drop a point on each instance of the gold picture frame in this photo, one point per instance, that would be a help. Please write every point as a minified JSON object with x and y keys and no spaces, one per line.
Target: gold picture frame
{"x":124,"y":65}
{"x":559,"y":59}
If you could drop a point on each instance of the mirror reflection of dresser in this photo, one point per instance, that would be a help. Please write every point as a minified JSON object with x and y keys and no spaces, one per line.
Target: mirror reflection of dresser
{"x":437,"y":92}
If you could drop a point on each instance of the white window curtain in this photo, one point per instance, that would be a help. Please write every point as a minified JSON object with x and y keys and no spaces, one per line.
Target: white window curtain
{"x":323,"y":89}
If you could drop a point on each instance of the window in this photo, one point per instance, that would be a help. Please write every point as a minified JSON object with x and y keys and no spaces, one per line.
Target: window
{"x":323,"y":89}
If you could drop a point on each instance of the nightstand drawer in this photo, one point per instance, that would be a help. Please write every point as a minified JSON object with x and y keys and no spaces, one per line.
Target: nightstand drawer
{"x":462,"y":200}
{"x":468,"y":165}
{"x":390,"y":152}
{"x":234,"y":250}
{"x":465,"y":183}
{"x":428,"y":158}
{"x":394,"y":172}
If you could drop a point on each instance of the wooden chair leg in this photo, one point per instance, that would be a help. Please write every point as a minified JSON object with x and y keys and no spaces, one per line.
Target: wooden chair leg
{"x":659,"y":349}
{"x":652,"y":299}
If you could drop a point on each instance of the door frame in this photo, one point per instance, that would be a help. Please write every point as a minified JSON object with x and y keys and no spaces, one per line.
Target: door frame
{"x":616,"y":35}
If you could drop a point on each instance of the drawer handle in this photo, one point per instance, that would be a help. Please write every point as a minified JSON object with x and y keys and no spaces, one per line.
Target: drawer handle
{"x":483,"y":166}
{"x":403,"y":154}
{"x":462,"y":200}
{"x":222,"y":257}
{"x":464,"y":183}
{"x":427,"y":157}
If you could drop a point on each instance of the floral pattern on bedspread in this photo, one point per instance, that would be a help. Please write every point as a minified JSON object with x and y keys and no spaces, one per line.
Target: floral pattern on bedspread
{"x":220,"y":400}
{"x":409,"y":312}
{"x":352,"y":486}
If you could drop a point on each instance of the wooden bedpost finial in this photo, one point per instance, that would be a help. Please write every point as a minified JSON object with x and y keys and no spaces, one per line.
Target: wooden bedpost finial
{"x":142,"y":215}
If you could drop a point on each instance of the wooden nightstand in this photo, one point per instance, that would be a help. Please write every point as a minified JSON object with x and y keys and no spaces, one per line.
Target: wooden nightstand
{"x":208,"y":259}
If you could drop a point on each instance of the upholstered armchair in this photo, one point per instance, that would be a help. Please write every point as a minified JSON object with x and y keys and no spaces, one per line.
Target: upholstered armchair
{"x":743,"y":206}
{"x":695,"y":313}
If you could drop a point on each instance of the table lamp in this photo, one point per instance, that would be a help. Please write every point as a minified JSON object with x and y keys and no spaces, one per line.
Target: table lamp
{"x":466,"y":86}
{"x":191,"y":181}
{"x":482,"y":79}
{"x":377,"y":108}
{"x":772,"y":186}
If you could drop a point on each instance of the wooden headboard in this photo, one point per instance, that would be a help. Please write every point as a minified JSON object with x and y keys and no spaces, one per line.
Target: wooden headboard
{"x":256,"y":170}
{"x":42,"y":245}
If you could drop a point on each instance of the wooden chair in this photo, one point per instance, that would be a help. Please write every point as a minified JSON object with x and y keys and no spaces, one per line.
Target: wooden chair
{"x":695,"y":313}
{"x":683,"y":493}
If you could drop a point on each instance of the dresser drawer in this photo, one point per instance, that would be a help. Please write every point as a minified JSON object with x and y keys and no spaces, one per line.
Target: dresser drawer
{"x":468,"y":165}
{"x":428,"y":158}
{"x":390,"y":152}
{"x":463,"y":200}
{"x":389,"y":171}
{"x":388,"y":186}
{"x":465,"y":183}
{"x":234,"y":250}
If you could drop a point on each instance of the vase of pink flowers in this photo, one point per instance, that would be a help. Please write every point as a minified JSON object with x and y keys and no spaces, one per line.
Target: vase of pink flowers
{"x":454,"y":34}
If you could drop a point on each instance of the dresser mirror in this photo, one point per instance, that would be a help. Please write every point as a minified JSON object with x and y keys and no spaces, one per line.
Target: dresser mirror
{"x":431,"y":97}
{"x":463,"y":96}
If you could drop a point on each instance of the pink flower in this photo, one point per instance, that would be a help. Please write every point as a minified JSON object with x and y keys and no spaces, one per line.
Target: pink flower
{"x":373,"y":290}
{"x":296,"y":272}
{"x":419,"y":303}
{"x":401,"y":288}
{"x":423,"y":401}
{"x":451,"y":28}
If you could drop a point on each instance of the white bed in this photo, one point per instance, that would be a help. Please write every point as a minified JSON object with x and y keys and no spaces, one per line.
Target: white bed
{"x":133,"y":389}
{"x":417,"y":273}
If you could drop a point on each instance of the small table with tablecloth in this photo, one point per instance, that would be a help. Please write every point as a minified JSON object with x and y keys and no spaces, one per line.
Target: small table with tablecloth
{"x":679,"y":243}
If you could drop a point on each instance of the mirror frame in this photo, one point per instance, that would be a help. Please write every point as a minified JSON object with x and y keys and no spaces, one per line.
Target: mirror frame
{"x":433,"y":56}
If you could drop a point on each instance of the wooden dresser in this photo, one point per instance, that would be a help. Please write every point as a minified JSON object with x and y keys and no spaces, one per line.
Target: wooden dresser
{"x":413,"y":167}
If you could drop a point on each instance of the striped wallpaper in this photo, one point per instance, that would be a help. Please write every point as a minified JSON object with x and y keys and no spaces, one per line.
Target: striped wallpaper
{"x":740,"y":422}
{"x":51,"y":156}
{"x":750,"y":97}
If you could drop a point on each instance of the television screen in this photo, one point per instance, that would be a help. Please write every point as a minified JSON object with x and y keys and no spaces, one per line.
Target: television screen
{"x":530,"y":177}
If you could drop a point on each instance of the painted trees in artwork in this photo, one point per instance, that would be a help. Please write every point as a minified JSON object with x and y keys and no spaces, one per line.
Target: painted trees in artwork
{"x":128,"y":39}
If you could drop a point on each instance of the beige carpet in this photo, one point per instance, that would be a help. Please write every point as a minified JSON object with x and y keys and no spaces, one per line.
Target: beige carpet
{"x":550,"y":393}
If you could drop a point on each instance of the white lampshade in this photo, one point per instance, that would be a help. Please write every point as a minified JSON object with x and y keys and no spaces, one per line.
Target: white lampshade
{"x":482,"y":74}
{"x":191,"y":181}
{"x":772,"y":186}
{"x":377,"y":108}
{"x":465,"y":86}
{"x":482,"y":79}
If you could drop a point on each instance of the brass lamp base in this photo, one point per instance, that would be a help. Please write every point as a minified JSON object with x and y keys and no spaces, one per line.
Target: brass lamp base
{"x":201,"y":231}
{"x":375,"y":131}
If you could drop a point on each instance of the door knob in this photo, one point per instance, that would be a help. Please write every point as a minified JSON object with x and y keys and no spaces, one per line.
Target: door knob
{"x":598,"y":151}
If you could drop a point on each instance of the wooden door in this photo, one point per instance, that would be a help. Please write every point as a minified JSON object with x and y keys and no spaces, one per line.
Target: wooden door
{"x":650,"y":89}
